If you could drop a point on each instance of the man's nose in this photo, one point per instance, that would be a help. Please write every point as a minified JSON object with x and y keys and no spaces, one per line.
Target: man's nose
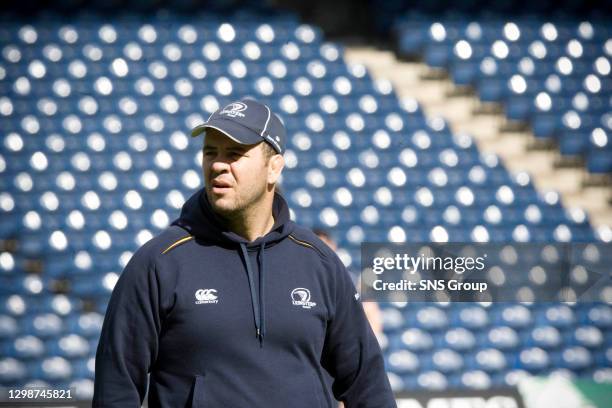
{"x":220,"y":164}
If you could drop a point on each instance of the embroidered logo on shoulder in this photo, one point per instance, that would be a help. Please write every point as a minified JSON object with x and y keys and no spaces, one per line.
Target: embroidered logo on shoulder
{"x":301,"y":297}
{"x":234,"y":109}
{"x":204,"y":296}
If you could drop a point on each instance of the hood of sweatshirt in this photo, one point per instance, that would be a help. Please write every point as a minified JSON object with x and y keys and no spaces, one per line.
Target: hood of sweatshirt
{"x":199,"y":219}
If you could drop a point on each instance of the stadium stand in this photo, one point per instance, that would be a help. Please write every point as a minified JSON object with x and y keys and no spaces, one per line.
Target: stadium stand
{"x":95,"y":159}
{"x":552,"y":75}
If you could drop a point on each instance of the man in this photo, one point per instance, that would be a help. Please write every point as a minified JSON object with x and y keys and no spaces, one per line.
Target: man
{"x":234,"y":305}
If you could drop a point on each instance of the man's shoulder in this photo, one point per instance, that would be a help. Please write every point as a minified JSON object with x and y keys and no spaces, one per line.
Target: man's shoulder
{"x":164,"y":242}
{"x":303,"y":236}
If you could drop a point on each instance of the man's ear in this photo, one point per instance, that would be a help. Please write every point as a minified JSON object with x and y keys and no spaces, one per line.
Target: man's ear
{"x":275,"y":167}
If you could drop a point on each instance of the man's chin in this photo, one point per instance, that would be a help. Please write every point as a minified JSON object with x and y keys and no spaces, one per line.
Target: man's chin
{"x":221,"y":205}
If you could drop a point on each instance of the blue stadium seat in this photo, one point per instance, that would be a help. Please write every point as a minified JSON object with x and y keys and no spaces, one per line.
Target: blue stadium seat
{"x":12,"y":370}
{"x":25,"y":348}
{"x":69,"y":346}
{"x":52,"y":369}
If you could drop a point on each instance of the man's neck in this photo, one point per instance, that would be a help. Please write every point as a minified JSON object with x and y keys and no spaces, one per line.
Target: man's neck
{"x":252,"y":223}
{"x":252,"y":230}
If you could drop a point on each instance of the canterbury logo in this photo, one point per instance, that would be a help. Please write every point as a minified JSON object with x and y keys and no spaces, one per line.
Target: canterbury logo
{"x":301,"y":297}
{"x":206,"y":296}
{"x":234,"y":110}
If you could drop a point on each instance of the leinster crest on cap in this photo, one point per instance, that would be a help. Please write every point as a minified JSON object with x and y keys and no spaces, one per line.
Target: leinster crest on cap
{"x":234,"y":109}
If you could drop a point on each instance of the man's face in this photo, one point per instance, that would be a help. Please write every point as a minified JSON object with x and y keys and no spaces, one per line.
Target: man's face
{"x":235,"y":175}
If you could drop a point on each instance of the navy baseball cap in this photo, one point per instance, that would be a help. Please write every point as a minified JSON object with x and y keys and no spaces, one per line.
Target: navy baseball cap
{"x":247,"y":122}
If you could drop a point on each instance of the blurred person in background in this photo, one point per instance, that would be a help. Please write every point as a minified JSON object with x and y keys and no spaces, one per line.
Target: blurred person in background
{"x":371,"y":309}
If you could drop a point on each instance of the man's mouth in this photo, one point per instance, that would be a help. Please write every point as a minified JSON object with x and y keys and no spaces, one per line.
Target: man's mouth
{"x":220,"y":186}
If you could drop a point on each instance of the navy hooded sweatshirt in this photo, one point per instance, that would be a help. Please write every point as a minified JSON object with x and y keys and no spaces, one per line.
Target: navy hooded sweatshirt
{"x":218,"y":321}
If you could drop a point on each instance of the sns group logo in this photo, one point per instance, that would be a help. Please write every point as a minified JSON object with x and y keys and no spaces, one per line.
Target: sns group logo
{"x":204,"y":296}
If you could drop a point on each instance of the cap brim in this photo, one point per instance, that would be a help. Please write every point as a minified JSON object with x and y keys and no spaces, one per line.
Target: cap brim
{"x":231,"y":129}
